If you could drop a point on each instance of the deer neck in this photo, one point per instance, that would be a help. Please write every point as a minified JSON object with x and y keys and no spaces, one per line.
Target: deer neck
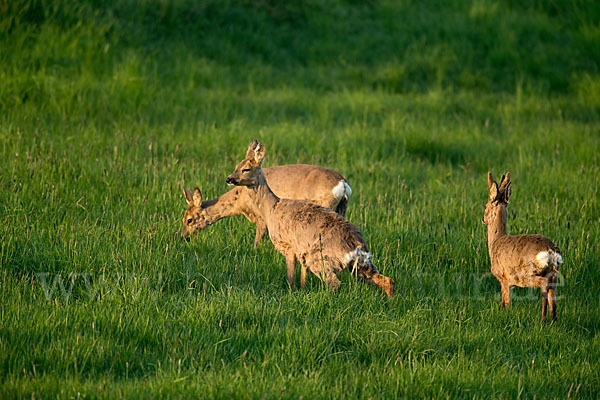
{"x":223,"y":206}
{"x":263,"y":197}
{"x":498,"y":227}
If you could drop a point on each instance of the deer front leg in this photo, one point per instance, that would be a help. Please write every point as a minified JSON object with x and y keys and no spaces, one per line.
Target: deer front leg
{"x":261,"y":229}
{"x":290,"y":260}
{"x":505,"y":289}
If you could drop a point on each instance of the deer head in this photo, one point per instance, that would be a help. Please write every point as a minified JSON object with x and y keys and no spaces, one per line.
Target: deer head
{"x":247,"y":172}
{"x":498,"y":197}
{"x":194,"y":219}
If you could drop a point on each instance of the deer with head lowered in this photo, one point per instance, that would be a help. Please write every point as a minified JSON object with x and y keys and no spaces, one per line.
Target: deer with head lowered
{"x":319,"y":185}
{"x":520,"y":260}
{"x":321,"y":240}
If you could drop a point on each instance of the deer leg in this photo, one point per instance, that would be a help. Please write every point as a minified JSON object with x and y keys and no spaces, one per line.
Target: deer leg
{"x":303,"y":273}
{"x":544,"y":284}
{"x":505,"y":288}
{"x":552,"y":297}
{"x":326,"y":274}
{"x":332,"y":281}
{"x":323,"y":268}
{"x":290,"y":260}
{"x":544,"y":304}
{"x":261,"y":229}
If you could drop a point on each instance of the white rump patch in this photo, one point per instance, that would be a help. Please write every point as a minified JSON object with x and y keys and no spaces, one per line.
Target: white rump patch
{"x":341,"y":190}
{"x":545,"y":258}
{"x":359,"y":255}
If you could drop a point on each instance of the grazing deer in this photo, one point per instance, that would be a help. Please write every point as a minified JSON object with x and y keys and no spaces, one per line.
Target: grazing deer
{"x":521,"y":260}
{"x":319,"y":185}
{"x":317,"y":237}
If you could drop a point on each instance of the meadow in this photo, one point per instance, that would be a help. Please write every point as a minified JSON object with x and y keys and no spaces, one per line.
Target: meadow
{"x":107,"y":110}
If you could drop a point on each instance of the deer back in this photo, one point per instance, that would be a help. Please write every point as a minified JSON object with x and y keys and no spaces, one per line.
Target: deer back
{"x":308,"y":228}
{"x":319,"y":185}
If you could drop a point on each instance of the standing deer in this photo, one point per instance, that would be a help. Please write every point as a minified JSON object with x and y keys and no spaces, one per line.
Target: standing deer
{"x":317,"y":237}
{"x":319,"y":185}
{"x":521,"y":260}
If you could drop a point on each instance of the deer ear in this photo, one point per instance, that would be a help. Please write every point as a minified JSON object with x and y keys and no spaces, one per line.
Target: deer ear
{"x":490,"y":180}
{"x":188,"y":195}
{"x":505,"y":187}
{"x":493,"y":187}
{"x":250,"y":152}
{"x":259,"y":153}
{"x":197,"y":197}
{"x":493,"y":191}
{"x":504,"y":182}
{"x":507,"y":192}
{"x":256,"y":152}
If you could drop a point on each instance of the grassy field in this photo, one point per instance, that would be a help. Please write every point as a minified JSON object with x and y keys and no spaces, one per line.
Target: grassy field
{"x":106,"y":111}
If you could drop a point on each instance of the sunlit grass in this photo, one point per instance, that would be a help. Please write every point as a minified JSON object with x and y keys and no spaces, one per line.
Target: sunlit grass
{"x":106,"y":112}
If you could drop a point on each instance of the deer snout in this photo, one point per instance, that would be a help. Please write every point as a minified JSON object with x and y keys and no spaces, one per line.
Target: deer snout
{"x":231,"y":180}
{"x":184,"y":235}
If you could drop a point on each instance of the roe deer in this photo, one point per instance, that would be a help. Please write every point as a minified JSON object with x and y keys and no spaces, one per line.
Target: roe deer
{"x":317,"y":237}
{"x":520,"y":260}
{"x":319,"y":185}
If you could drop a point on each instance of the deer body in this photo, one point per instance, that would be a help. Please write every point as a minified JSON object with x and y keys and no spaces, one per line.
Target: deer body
{"x":535,"y":255}
{"x":314,"y":236}
{"x":320,"y":239}
{"x":319,"y":185}
{"x":520,"y":260}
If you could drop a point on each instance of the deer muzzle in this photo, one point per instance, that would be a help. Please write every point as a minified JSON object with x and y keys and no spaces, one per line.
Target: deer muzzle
{"x":184,"y":235}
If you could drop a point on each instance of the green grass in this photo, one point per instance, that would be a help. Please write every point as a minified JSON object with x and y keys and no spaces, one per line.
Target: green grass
{"x":106,"y":111}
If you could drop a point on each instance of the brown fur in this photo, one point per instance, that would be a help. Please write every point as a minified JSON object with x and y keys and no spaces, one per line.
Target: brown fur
{"x":299,"y":181}
{"x":321,"y":240}
{"x":514,"y":258}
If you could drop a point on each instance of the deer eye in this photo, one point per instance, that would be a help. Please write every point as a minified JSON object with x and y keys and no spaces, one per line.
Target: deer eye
{"x":246,"y":170}
{"x":190,"y":220}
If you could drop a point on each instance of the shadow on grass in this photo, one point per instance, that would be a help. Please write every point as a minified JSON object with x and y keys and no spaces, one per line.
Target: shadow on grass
{"x":395,"y":46}
{"x":436,"y":152}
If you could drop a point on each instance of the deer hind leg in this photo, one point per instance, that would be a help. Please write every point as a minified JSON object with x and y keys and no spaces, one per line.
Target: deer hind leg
{"x":323,"y":268}
{"x":543,"y":284}
{"x":544,"y":304}
{"x":547,"y":286}
{"x":290,"y":261}
{"x":369,"y":272}
{"x":332,"y":281}
{"x":303,"y":273}
{"x":552,"y":297}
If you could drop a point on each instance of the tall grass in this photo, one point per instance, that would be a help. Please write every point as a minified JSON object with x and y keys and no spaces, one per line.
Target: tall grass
{"x":107,"y":110}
